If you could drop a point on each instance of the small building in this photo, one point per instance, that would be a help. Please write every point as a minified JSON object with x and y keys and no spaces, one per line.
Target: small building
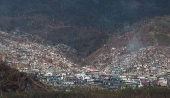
{"x":48,"y":74}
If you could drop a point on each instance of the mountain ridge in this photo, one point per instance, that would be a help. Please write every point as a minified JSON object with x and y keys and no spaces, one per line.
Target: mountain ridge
{"x":78,"y":23}
{"x":143,"y":36}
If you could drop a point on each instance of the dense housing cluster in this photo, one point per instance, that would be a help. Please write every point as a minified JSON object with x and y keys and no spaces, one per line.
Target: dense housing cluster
{"x":120,"y":67}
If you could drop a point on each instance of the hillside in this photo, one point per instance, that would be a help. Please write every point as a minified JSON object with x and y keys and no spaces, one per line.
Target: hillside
{"x":150,"y":32}
{"x":83,"y":24}
{"x":11,"y":80}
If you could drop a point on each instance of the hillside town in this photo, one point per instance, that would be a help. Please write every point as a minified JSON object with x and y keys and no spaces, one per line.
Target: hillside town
{"x":148,"y":65}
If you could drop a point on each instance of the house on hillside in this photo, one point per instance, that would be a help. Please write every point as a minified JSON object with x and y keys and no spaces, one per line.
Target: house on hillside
{"x":145,"y":82}
{"x":162,"y":82}
{"x":48,"y":73}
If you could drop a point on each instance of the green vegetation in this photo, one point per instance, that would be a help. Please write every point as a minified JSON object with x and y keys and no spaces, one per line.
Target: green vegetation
{"x":163,"y":23}
{"x":152,"y":41}
{"x":144,"y":31}
{"x":150,"y":92}
{"x":161,"y":38}
{"x":166,"y":19}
